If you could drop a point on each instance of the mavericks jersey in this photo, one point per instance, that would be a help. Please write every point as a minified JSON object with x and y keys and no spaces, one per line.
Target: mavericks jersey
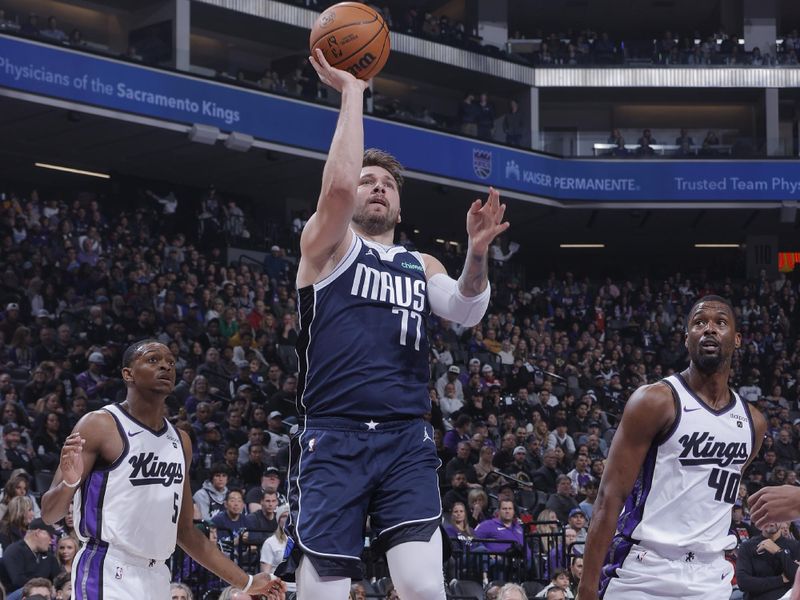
{"x":690,"y":478}
{"x":133,"y":504}
{"x":363,"y":347}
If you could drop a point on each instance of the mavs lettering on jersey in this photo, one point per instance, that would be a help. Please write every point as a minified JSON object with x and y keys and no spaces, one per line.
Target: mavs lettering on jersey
{"x":363,"y":347}
{"x":148,"y":470}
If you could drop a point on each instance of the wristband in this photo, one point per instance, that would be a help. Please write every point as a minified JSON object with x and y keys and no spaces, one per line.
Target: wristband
{"x":249,"y":584}
{"x":71,"y":485}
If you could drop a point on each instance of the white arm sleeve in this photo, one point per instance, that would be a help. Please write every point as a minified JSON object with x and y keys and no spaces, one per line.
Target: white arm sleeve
{"x":447,"y":301}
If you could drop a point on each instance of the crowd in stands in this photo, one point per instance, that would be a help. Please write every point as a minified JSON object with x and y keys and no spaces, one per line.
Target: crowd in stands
{"x":589,"y":48}
{"x":524,"y":405}
{"x":683,"y":146}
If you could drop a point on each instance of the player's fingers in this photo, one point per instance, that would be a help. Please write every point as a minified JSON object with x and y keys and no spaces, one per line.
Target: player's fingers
{"x":499,"y":214}
{"x":320,"y":56}
{"x":494,"y":196}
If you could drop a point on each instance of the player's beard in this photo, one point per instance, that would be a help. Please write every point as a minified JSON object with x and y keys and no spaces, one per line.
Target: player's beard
{"x":710,"y":364}
{"x":373,"y":223}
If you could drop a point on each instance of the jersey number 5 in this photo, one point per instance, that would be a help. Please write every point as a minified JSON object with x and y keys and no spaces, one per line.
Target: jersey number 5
{"x":175,"y":508}
{"x":404,"y":318}
{"x":726,"y":483}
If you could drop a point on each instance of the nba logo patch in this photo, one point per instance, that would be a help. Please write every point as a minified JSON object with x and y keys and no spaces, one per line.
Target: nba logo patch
{"x":118,"y":573}
{"x":312,"y":443}
{"x":482,"y":162}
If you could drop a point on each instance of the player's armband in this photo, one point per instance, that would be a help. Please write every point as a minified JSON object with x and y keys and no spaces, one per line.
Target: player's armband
{"x":447,"y":301}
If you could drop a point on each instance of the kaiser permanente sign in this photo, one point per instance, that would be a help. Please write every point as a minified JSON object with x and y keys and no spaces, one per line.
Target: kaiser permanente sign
{"x":54,"y":72}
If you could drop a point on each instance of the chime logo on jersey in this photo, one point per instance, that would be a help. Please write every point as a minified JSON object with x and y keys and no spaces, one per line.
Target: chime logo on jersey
{"x":148,"y":470}
{"x":702,"y":449}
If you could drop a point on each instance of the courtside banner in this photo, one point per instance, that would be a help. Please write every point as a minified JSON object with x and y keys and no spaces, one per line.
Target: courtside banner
{"x":65,"y":74}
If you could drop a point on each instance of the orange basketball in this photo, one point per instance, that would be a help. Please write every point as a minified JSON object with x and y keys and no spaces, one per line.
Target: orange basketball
{"x":353,"y":37}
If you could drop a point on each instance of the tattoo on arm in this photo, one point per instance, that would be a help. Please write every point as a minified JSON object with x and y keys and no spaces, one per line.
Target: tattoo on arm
{"x":475,"y":276}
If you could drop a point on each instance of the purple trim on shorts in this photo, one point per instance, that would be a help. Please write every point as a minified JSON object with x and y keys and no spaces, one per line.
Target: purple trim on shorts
{"x":88,"y":581}
{"x":617,"y":553}
{"x":633,"y":511}
{"x":92,"y":504}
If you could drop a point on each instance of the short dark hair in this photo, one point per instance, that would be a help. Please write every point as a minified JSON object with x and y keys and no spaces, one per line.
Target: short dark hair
{"x":378,"y":158}
{"x":134,"y":350}
{"x":712,"y":298}
{"x":233,"y":491}
{"x":218,"y":469}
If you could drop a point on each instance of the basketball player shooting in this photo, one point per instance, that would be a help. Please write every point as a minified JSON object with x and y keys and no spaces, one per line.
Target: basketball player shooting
{"x":672,"y":476}
{"x":363,"y":448}
{"x":126,"y":467}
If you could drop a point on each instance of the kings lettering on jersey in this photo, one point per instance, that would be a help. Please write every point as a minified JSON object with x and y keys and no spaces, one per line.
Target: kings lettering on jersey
{"x":689,"y":480}
{"x":703,"y":449}
{"x":147,"y":469}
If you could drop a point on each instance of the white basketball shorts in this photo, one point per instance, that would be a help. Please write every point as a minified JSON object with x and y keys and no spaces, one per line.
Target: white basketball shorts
{"x":101,"y":573}
{"x":645,"y":574}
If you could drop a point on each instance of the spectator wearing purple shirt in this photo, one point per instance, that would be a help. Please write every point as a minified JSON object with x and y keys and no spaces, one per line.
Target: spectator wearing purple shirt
{"x":504,"y":528}
{"x":459,"y":433}
{"x":92,"y":380}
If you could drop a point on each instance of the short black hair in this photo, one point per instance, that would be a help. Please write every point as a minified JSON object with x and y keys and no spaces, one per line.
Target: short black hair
{"x":132,"y":351}
{"x":218,"y":469}
{"x":234,"y":491}
{"x":712,"y":298}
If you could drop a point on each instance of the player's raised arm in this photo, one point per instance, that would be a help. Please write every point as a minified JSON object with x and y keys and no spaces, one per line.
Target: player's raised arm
{"x":466,"y":300}
{"x":650,"y":411}
{"x":92,"y":438}
{"x":328,"y":226}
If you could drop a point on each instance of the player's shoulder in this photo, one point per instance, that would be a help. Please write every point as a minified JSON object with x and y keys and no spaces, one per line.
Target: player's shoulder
{"x":651,"y":399}
{"x":653,"y":393}
{"x":100,"y":417}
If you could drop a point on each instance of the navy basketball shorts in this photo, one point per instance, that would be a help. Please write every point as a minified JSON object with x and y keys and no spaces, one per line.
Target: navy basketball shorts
{"x":343,"y":471}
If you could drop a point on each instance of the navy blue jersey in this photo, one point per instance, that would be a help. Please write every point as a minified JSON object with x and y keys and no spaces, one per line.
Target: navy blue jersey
{"x":363,"y":347}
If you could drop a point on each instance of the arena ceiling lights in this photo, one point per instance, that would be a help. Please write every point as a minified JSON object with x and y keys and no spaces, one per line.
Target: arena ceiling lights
{"x":581,"y":246}
{"x":71,"y":170}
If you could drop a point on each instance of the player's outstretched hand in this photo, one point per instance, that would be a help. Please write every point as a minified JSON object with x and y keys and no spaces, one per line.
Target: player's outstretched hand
{"x":775,"y":504}
{"x":336,"y":78}
{"x":264,"y":587}
{"x":485,"y":221}
{"x":72,"y":458}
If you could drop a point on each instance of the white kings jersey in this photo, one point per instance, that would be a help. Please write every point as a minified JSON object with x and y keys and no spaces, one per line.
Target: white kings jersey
{"x":133,"y":504}
{"x":690,"y":478}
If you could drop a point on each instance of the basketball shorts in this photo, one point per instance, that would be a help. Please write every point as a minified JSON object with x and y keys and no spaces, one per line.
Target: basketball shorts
{"x":344,"y":471}
{"x":638,"y":572}
{"x":103,"y":573}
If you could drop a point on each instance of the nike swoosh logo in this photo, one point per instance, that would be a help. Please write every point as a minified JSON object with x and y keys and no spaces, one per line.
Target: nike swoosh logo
{"x":131,"y":434}
{"x":687,"y":409}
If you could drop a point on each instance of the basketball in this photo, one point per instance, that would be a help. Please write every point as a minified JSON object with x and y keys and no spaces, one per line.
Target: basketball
{"x":353,"y":37}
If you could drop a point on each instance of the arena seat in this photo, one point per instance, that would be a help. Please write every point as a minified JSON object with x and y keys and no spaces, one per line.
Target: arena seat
{"x":465,"y":589}
{"x":42,"y":480}
{"x":532,"y":588}
{"x":382,"y":584}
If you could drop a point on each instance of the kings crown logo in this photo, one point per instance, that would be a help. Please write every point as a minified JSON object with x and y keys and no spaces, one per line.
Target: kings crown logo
{"x":482,"y":162}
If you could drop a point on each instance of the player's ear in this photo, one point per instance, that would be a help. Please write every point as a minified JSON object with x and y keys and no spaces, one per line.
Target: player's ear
{"x":737,"y":340}
{"x":399,"y":217}
{"x":127,"y":375}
